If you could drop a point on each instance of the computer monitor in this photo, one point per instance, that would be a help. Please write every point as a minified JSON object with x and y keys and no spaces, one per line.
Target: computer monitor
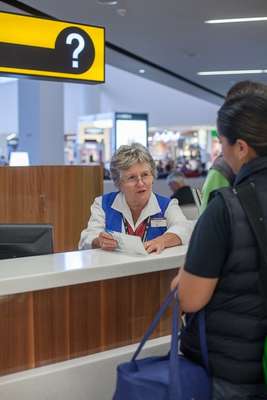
{"x":22,"y":240}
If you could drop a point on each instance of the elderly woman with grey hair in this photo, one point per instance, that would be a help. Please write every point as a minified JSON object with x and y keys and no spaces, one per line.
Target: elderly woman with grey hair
{"x":135,"y":209}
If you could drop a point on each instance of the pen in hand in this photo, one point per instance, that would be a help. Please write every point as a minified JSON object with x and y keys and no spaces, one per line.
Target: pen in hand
{"x":106,"y":241}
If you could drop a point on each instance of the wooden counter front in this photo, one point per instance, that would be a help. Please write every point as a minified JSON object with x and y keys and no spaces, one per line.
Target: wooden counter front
{"x":48,"y":326}
{"x":60,"y":306}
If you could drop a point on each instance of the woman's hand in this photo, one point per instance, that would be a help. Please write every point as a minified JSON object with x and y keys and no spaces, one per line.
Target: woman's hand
{"x":156,"y":245}
{"x":162,"y":242}
{"x":105,"y":241}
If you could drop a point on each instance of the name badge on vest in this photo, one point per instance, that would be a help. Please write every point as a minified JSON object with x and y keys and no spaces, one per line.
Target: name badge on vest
{"x":158,"y":223}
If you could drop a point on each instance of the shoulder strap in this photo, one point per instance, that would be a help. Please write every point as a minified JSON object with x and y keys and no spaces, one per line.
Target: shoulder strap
{"x":249,"y":201}
{"x":220,"y":165}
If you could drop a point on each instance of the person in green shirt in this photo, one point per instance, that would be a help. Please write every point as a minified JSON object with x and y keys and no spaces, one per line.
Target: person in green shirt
{"x":220,"y":175}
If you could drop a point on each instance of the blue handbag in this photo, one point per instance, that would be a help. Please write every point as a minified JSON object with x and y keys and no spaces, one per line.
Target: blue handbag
{"x":169,"y":377}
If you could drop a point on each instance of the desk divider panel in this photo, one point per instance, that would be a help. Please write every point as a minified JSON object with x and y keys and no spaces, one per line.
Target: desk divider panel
{"x":57,"y":195}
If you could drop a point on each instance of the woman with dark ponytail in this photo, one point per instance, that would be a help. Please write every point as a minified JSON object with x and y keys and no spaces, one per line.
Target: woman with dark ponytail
{"x":221,"y":272}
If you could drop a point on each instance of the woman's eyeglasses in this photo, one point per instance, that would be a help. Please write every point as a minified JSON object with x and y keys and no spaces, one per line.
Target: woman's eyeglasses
{"x":145,"y":177}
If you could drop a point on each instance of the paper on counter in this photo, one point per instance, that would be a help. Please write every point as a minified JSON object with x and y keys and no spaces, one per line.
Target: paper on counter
{"x":129,"y":243}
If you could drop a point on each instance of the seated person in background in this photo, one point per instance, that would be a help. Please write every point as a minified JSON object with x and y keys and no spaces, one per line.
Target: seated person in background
{"x":181,"y":191}
{"x":135,"y":209}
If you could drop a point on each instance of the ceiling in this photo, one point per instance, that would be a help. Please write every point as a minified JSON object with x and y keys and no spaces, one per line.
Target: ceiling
{"x":169,"y":39}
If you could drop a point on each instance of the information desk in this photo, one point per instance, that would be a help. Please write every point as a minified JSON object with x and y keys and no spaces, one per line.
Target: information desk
{"x":66,"y":305}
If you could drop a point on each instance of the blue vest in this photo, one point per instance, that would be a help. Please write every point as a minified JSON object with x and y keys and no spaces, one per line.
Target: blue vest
{"x":114,"y":218}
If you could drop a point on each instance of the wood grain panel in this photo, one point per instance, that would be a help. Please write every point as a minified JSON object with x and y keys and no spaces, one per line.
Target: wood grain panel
{"x":16,"y":333}
{"x":57,"y":324}
{"x":146,"y":302}
{"x":58,"y":195}
{"x":68,"y":194}
{"x":116,"y":313}
{"x":51,"y":325}
{"x":20,"y":190}
{"x":85,"y":319}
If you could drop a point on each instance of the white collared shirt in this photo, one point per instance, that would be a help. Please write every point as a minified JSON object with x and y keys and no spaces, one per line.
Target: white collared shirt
{"x":176,"y":221}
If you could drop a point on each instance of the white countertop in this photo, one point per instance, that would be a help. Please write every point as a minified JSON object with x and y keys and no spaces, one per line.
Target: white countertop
{"x":62,"y":269}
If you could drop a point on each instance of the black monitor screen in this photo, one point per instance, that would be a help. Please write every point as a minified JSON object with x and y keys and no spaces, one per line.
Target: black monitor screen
{"x":21,"y":240}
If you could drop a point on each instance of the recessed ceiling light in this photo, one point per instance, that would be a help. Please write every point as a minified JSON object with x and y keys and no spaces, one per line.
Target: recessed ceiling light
{"x":234,"y":72}
{"x":108,"y":2}
{"x":142,"y":71}
{"x":234,"y":20}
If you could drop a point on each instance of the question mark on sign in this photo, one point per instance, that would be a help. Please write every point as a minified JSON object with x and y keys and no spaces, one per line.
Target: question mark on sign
{"x":78,"y":49}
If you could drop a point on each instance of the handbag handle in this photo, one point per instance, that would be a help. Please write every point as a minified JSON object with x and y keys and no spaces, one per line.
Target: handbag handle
{"x":165,"y":305}
{"x":175,"y":378}
{"x":175,"y":388}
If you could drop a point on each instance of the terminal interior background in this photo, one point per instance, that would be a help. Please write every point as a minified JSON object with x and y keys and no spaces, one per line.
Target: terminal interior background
{"x":181,"y":127}
{"x":68,"y":123}
{"x":73,"y":124}
{"x":154,"y":59}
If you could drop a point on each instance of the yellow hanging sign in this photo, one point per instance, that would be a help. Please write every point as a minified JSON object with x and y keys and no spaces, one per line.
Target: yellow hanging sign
{"x":51,"y":49}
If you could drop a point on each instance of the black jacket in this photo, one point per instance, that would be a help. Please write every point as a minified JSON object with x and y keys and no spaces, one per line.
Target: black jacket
{"x":236,"y":320}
